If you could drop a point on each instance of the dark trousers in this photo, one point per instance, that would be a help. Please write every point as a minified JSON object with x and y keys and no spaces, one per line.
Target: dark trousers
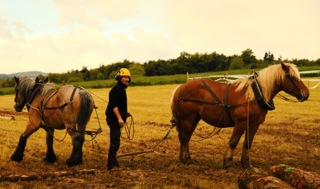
{"x":114,"y":145}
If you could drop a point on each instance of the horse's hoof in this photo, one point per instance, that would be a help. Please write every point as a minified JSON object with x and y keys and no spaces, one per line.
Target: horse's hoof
{"x":185,"y":161}
{"x":50,"y":159}
{"x":16,"y":158}
{"x":73,"y":162}
{"x":245,"y":165}
{"x":227,"y":163}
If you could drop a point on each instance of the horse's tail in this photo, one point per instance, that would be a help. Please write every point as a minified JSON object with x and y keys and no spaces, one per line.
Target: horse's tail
{"x":86,"y":107}
{"x":173,"y":111}
{"x":172,"y":95}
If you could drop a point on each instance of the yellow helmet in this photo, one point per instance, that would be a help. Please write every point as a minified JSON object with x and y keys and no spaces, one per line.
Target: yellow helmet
{"x":124,"y":72}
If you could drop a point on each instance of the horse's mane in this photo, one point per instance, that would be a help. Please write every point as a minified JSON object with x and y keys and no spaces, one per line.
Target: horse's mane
{"x":268,"y":78}
{"x":27,"y":83}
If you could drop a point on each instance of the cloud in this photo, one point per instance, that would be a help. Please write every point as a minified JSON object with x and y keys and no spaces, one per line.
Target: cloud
{"x":58,"y":35}
{"x":94,"y":13}
{"x":232,"y":26}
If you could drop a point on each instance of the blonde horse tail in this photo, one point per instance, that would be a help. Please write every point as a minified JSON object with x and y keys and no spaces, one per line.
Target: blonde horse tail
{"x":172,"y":95}
{"x":174,"y":117}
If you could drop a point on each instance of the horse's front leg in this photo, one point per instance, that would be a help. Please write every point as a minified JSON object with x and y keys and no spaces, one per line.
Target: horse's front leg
{"x":245,"y":160}
{"x":18,"y":153}
{"x":238,"y":130}
{"x":50,"y":156}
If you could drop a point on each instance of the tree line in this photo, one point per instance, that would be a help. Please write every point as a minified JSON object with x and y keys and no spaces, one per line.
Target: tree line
{"x":186,"y":62}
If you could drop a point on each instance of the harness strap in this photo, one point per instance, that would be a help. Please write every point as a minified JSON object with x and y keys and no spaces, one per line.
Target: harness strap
{"x":226,"y":107}
{"x":192,"y":100}
{"x":43,"y":103}
{"x":212,"y":93}
{"x":73,"y":92}
{"x":228,"y":120}
{"x":259,"y":95}
{"x":33,"y":93}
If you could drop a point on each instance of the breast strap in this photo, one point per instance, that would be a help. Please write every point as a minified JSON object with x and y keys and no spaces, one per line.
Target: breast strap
{"x":259,"y":95}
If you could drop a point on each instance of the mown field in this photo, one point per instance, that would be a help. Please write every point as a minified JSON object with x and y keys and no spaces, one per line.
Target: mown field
{"x":290,"y":135}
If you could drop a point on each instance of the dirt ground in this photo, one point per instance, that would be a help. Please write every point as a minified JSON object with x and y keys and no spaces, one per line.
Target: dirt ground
{"x":273,"y":144}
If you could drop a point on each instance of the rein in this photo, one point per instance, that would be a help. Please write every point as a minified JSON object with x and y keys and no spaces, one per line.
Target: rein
{"x":154,"y":147}
{"x":286,"y":99}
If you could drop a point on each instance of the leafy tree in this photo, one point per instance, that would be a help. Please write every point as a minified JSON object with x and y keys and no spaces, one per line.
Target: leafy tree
{"x":268,"y":57}
{"x":113,"y":74}
{"x":136,"y":69}
{"x":84,"y":69}
{"x":186,"y":62}
{"x":248,"y":57}
{"x":301,"y":62}
{"x":100,"y":76}
{"x":236,"y":63}
{"x":219,"y":62}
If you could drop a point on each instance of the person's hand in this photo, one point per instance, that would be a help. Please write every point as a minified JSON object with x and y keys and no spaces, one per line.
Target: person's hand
{"x":121,"y":122}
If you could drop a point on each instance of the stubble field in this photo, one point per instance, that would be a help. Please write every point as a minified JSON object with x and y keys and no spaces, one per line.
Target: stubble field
{"x":290,"y":135}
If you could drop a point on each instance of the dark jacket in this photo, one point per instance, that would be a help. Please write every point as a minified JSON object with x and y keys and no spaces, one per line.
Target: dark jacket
{"x":117,"y":98}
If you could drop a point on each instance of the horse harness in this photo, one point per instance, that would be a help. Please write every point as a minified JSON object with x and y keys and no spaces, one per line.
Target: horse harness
{"x":228,"y":120}
{"x":258,"y":94}
{"x":34,"y":91}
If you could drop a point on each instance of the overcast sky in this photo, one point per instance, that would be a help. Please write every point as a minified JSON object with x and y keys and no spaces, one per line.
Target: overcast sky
{"x":61,"y":35}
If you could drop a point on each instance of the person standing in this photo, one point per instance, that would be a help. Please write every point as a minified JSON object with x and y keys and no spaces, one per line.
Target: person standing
{"x":116,"y":113}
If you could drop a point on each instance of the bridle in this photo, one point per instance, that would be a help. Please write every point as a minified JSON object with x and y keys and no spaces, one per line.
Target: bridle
{"x":21,"y":104}
{"x":295,"y":86}
{"x":27,"y":100}
{"x":293,"y":82}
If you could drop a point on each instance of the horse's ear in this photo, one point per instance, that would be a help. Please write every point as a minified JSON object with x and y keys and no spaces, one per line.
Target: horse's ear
{"x":284,"y":67}
{"x":46,"y":80}
{"x":16,"y":79}
{"x":37,"y":79}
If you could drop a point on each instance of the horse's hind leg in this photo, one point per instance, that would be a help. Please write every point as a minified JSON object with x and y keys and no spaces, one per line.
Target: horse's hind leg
{"x":50,"y":156}
{"x":76,"y":155}
{"x":185,"y":129}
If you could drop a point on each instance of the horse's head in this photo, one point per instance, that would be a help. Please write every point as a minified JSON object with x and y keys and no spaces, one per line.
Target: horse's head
{"x":25,"y":90}
{"x":20,"y":99}
{"x":292,"y":83}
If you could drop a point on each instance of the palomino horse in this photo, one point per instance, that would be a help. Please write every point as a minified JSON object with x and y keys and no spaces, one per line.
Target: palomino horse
{"x":68,"y":108}
{"x":227,"y":105}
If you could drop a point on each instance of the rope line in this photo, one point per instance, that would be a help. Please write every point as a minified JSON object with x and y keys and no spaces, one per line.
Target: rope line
{"x":152,"y":149}
{"x":129,"y":128}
